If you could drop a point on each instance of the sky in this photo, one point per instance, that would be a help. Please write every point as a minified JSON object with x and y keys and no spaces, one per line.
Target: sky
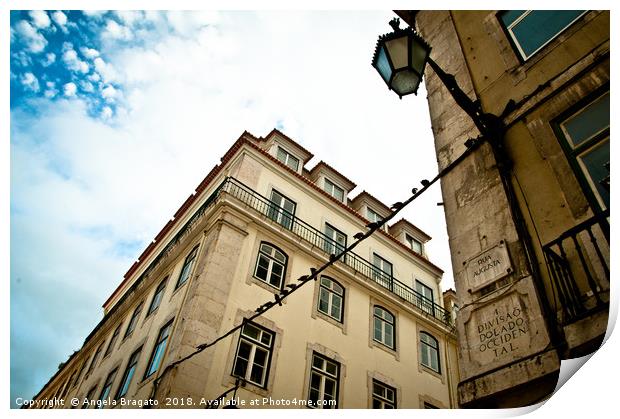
{"x":115,"y":118}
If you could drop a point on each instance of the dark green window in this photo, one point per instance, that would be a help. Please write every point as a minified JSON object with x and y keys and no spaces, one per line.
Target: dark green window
{"x":530,"y":30}
{"x":586,"y":142}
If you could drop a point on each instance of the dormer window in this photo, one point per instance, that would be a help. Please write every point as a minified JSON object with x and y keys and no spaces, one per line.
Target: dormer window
{"x":334,"y":190}
{"x":415,"y":245}
{"x":372,"y":216}
{"x":288,"y":159}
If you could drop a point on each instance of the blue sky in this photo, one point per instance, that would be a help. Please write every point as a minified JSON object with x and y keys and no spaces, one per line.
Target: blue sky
{"x":117,"y":116}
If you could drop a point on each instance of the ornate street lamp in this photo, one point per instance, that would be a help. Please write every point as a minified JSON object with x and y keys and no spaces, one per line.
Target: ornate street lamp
{"x":400,"y":58}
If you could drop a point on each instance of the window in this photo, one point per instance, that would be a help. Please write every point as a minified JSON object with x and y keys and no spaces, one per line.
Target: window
{"x":531,"y":30}
{"x":89,"y":397}
{"x":288,"y":159}
{"x":331,"y":298}
{"x":107,"y":386}
{"x":383,"y":327}
{"x":334,"y":190}
{"x":383,"y":396}
{"x":134,"y":320}
{"x":425,"y":297}
{"x":129,"y":372}
{"x":415,"y":245}
{"x":270,"y":265}
{"x":94,"y":360}
{"x":586,"y":142}
{"x":372,"y":216}
{"x":383,"y":271}
{"x":253,"y":354}
{"x":159,"y":293}
{"x":281,"y":210}
{"x":429,"y":352}
{"x":187,"y":267}
{"x":79,"y":374}
{"x":337,"y":242}
{"x":110,"y":347}
{"x":158,"y":350}
{"x":324,"y":377}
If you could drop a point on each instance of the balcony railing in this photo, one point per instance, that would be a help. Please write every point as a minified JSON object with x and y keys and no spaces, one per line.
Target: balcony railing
{"x":578,"y":262}
{"x":302,"y":229}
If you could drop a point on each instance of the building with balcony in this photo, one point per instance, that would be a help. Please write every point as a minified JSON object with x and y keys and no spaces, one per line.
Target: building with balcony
{"x":527,"y":216}
{"x":370,"y":332}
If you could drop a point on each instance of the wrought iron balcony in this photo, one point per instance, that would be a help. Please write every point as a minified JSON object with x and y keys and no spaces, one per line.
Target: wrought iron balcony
{"x":310,"y":234}
{"x":578,"y":262}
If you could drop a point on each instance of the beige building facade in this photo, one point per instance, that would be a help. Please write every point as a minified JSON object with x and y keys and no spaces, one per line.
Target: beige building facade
{"x":528,"y":212}
{"x":371,"y":331}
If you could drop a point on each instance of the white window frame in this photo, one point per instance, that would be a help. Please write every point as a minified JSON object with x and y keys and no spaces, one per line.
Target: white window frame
{"x":372,"y":215}
{"x":334,"y":234}
{"x":324,"y":376}
{"x":379,"y":318}
{"x":413,"y":243}
{"x":271,"y":256}
{"x":380,"y":272}
{"x":333,"y":189}
{"x":383,"y":397}
{"x":424,"y":290}
{"x":287,"y":158}
{"x":256,"y":344}
{"x":278,"y":213}
{"x":331,"y":293}
{"x":426,"y":351}
{"x":186,"y":270}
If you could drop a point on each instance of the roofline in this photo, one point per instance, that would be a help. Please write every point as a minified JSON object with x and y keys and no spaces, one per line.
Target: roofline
{"x":413,"y":226}
{"x":366,"y":193}
{"x":286,"y":137}
{"x":213,"y":173}
{"x":323,"y":164}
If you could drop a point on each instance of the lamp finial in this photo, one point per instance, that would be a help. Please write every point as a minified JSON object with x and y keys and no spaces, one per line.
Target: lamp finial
{"x":395,"y":24}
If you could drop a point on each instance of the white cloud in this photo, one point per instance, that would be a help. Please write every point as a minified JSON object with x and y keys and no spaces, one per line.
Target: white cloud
{"x":60,"y":19}
{"x":23,"y":58}
{"x":50,"y":91}
{"x":129,"y":17}
{"x":70,"y":89}
{"x":115,"y":31}
{"x":106,"y":71}
{"x":94,"y":13}
{"x":89,"y":53}
{"x":87,"y":86}
{"x":187,"y":24}
{"x":109,"y":93}
{"x":106,"y":112}
{"x":73,"y":62}
{"x":40,"y":19}
{"x":94,"y":77}
{"x":50,"y":58}
{"x":30,"y":82}
{"x":34,"y":40}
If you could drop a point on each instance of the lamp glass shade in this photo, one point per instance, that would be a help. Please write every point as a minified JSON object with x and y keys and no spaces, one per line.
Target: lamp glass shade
{"x":383,"y":65}
{"x":405,"y":82}
{"x":419,"y":52}
{"x":397,"y":48}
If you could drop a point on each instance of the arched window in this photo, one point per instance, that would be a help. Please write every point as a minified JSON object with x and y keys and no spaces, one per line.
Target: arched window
{"x":384,"y":325}
{"x":429,"y":352}
{"x":270,"y":265}
{"x":331,"y":298}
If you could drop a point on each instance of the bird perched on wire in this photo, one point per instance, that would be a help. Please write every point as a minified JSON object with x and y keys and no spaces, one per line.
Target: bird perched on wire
{"x":425,"y":182}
